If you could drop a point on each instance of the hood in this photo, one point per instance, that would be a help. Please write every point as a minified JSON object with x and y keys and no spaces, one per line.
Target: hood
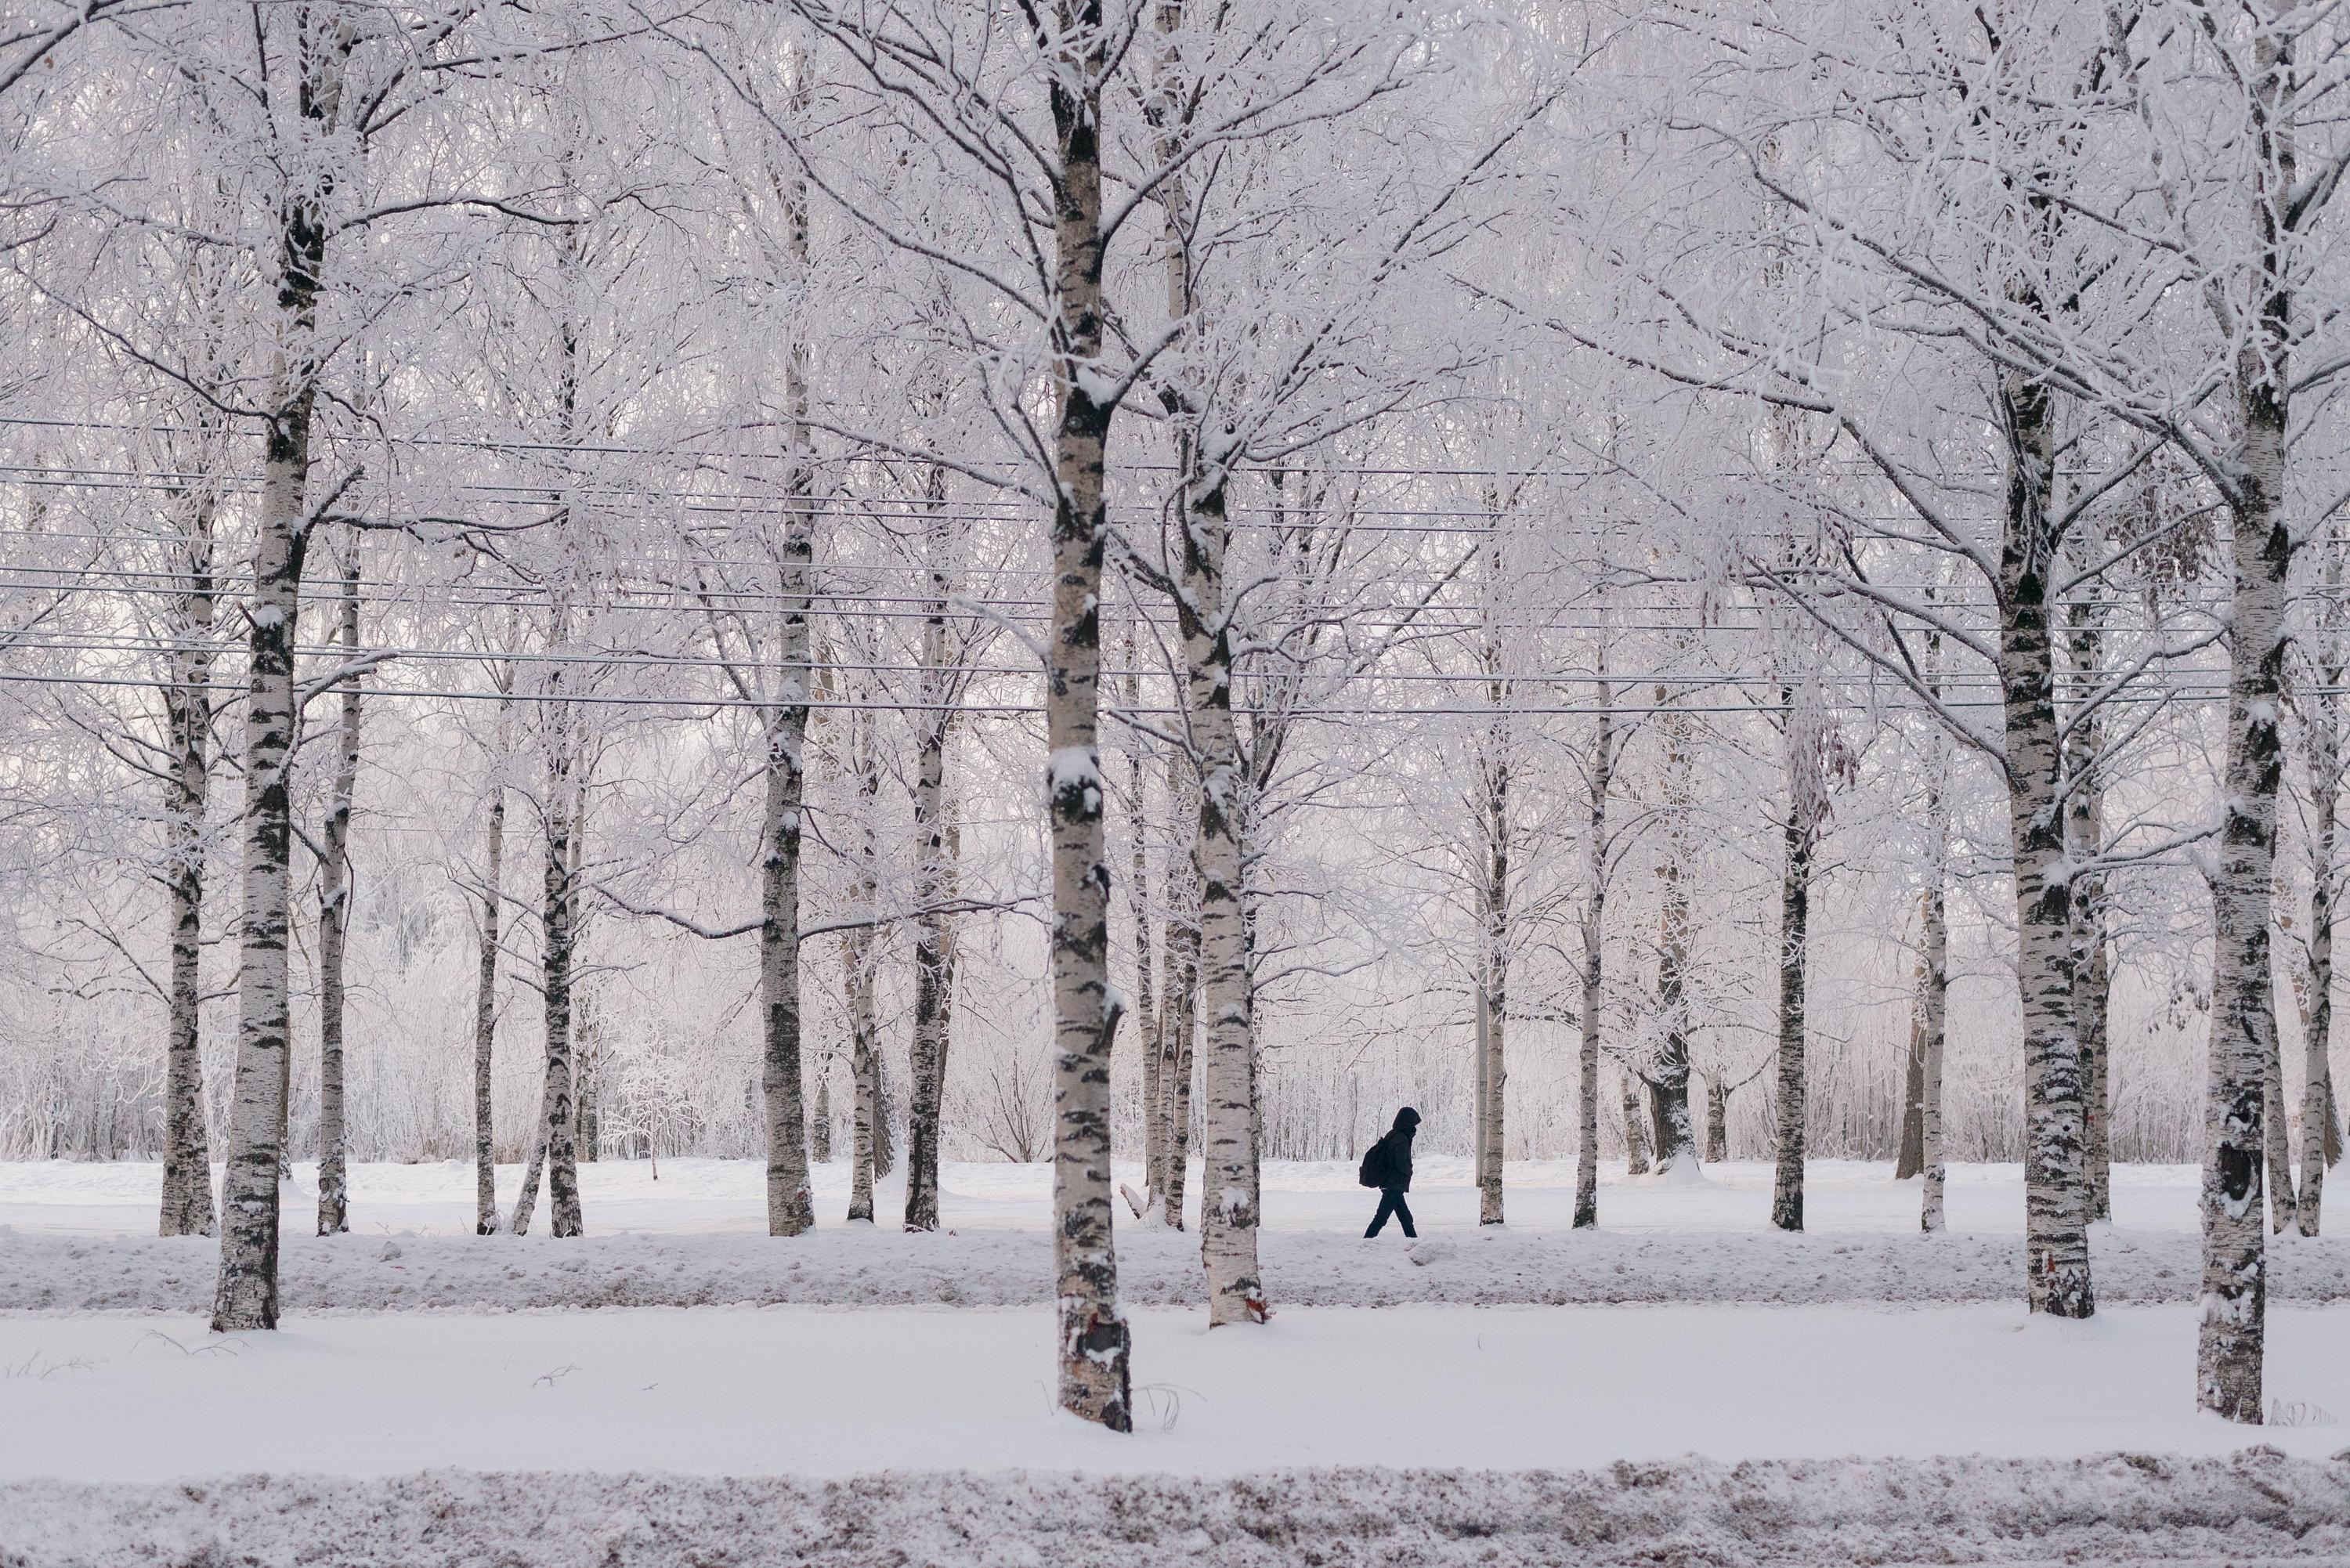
{"x":1407,"y":1121}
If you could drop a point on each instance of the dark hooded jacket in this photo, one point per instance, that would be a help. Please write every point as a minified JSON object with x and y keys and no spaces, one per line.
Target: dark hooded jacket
{"x":1395,"y":1148}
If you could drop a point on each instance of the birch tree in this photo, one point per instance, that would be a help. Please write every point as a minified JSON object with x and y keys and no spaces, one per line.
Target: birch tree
{"x":315,"y":47}
{"x":334,"y":923}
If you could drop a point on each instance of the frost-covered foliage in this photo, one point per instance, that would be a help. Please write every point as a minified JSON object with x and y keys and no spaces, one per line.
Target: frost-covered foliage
{"x":1606,"y":362}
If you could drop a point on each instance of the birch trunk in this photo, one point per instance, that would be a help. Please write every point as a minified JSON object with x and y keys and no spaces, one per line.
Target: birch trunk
{"x":1676,"y":1133}
{"x":1146,"y":967}
{"x":934,"y":886}
{"x":1799,"y":839}
{"x":2085,"y":832}
{"x":334,"y":929}
{"x":588,"y":1047}
{"x":791,"y":1203}
{"x":1146,"y":1018}
{"x":187,"y":1206}
{"x":1594,"y":930}
{"x":1909,"y":1143}
{"x":864,"y":1100}
{"x":820,"y":1119}
{"x":557,"y":914}
{"x":1480,"y":1068}
{"x":485,"y":1014}
{"x":1229,"y":1189}
{"x":1494,"y":906}
{"x":2232,"y":1338}
{"x":1717,"y":1118}
{"x":526,"y":1202}
{"x":1636,"y":1130}
{"x":1934,"y":1000}
{"x":1094,"y":1338}
{"x":2322,"y":729}
{"x":1177,"y":1006}
{"x":2096,"y":984}
{"x":246,"y":1293}
{"x":1203,"y":480}
{"x":1494,"y":1025}
{"x":885,"y":1114}
{"x":2235,"y":1293}
{"x":1228,"y":1193}
{"x":857,"y":947}
{"x":2276,"y":1141}
{"x":2057,"y":1239}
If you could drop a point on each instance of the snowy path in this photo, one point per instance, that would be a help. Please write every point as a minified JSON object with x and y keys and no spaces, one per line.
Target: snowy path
{"x":810,"y":1392}
{"x":1414,"y":1438}
{"x":862,"y":1265}
{"x":727,"y":1196}
{"x":74,"y":1238}
{"x":1338,"y":1438}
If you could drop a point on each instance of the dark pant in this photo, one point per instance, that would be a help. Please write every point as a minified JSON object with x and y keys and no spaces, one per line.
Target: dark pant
{"x":1392,"y":1202}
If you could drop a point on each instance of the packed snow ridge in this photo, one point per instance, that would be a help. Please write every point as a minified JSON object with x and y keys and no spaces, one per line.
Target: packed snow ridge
{"x":2257,"y":1506}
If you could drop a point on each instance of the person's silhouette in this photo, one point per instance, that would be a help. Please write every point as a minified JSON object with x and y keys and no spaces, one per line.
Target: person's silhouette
{"x":1388,"y":1166}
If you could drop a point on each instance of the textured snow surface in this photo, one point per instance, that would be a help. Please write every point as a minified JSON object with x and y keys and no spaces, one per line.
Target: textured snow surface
{"x":821,"y":1393}
{"x":2253,"y":1508}
{"x":78,"y":1237}
{"x":843,"y":1265}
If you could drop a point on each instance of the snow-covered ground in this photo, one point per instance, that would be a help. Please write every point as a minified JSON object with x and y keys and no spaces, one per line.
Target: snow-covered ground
{"x":78,"y":1242}
{"x":1453,"y":1428}
{"x":1419,"y":1436}
{"x":1841,"y":1197}
{"x":982,"y":1266}
{"x":2254,"y":1509}
{"x":815,"y":1392}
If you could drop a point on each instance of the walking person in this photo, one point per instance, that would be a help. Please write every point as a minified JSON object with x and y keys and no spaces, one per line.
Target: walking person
{"x":1388,"y":1166}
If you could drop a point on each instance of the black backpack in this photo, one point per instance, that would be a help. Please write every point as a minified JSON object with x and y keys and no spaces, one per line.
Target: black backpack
{"x":1374,"y":1172}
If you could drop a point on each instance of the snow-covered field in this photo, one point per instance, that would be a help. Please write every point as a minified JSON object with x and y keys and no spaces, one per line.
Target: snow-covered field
{"x":77,"y":1240}
{"x":1860,"y":1393}
{"x":818,"y":1392}
{"x":929,"y":1437}
{"x":1000,"y":1266}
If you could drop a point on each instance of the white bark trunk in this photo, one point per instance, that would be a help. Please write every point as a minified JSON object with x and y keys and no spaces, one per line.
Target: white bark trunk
{"x":2276,"y":1142}
{"x":485,"y":1011}
{"x":1599,"y":781}
{"x":1668,"y":1078}
{"x":247,"y":1294}
{"x":1934,"y":1001}
{"x":1636,"y":1127}
{"x":935,"y":882}
{"x":2322,"y":727}
{"x":1228,"y":1194}
{"x":1806,"y":794}
{"x":557,"y":912}
{"x":2084,"y":833}
{"x":2056,"y":1238}
{"x":1178,"y":996}
{"x":334,"y":929}
{"x":791,"y":1204}
{"x":857,"y":947}
{"x":187,"y":1206}
{"x":2231,"y":1345}
{"x":1094,"y":1338}
{"x":1493,"y":902}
